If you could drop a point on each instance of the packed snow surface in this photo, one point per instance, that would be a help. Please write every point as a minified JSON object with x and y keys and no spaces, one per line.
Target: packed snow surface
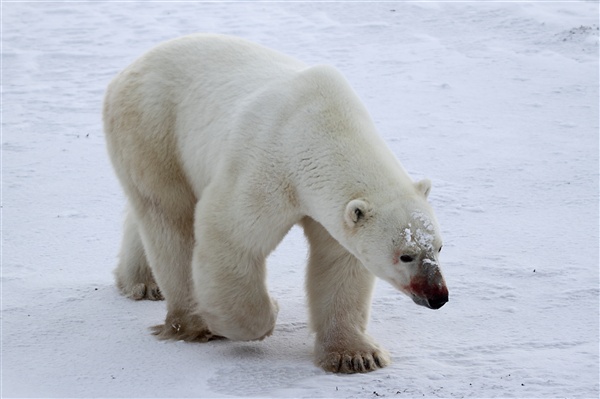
{"x":497,"y":103}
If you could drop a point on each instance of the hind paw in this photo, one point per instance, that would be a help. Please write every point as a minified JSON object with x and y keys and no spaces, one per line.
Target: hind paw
{"x":141,"y":291}
{"x":184,"y":327}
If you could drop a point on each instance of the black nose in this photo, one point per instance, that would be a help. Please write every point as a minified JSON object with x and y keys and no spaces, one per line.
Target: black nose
{"x":437,"y":302}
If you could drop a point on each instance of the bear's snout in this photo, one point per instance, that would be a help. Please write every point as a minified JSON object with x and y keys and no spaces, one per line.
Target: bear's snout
{"x":425,"y":292}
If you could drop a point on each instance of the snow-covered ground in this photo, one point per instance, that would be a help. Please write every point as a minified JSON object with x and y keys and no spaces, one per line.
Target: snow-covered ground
{"x":496,"y":102}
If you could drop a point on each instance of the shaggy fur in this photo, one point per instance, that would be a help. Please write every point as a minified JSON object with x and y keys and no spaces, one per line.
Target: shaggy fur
{"x":221,"y":147}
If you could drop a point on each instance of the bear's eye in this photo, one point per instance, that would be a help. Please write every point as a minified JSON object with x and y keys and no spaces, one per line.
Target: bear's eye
{"x":440,"y":250}
{"x":406,"y":258}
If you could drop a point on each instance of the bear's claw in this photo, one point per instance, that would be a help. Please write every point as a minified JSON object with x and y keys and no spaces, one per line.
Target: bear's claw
{"x":144,"y":291}
{"x":184,"y":327}
{"x":352,"y":362}
{"x":178,"y":333}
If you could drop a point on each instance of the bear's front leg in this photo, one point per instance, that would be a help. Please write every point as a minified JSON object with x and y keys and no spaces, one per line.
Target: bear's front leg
{"x":339,"y":291}
{"x":230,"y":275}
{"x":231,"y":291}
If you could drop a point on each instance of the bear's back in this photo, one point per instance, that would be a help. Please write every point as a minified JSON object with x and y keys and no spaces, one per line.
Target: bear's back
{"x":216,"y":61}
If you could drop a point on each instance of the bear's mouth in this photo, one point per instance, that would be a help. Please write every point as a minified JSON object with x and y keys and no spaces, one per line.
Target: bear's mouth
{"x":431,"y":303}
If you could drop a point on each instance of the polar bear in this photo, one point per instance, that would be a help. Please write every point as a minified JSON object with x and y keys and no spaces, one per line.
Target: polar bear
{"x":221,"y":146}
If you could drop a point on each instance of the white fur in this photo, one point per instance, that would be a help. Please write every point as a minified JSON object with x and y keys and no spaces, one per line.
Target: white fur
{"x":221,"y":147}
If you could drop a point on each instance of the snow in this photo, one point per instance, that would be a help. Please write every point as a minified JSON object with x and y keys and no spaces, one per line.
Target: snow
{"x":424,"y":236}
{"x":495,"y":102}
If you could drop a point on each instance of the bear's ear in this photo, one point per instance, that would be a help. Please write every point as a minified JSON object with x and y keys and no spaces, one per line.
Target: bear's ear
{"x":424,"y":187}
{"x":356,"y":211}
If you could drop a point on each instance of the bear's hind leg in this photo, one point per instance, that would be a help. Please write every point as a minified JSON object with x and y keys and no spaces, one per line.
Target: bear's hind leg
{"x":167,"y":234}
{"x":133,"y":274}
{"x":339,"y":291}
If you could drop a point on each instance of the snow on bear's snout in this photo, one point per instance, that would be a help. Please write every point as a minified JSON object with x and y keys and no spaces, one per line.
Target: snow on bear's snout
{"x":426,"y":286}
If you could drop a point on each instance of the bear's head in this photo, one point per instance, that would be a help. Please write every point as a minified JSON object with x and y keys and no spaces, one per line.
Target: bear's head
{"x":398,"y":240}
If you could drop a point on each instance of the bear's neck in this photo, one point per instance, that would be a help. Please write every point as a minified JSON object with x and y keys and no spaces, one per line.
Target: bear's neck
{"x":335,"y":164}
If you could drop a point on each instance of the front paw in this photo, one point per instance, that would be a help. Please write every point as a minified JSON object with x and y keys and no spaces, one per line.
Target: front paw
{"x":349,"y":360}
{"x":242,"y":322}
